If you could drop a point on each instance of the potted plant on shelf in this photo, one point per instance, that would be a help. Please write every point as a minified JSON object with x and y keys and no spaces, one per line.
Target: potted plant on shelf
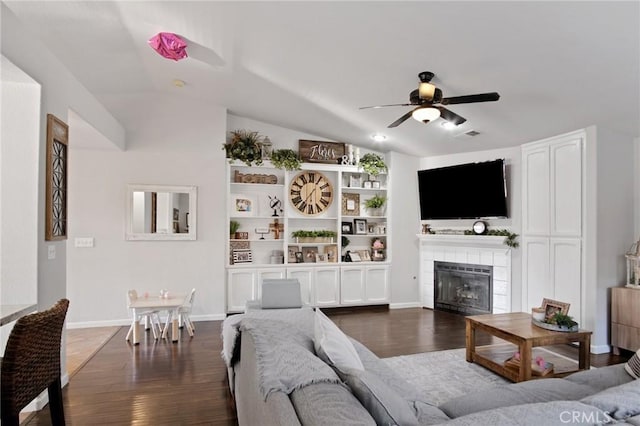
{"x":244,"y":145}
{"x":322,"y":236}
{"x":234,"y":225}
{"x":285,"y":159}
{"x":375,"y":205}
{"x":373,"y":164}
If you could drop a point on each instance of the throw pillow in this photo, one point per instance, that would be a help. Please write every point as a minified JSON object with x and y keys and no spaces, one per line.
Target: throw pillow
{"x":333,"y":346}
{"x":619,"y":402}
{"x":384,"y":404}
{"x":633,"y":365}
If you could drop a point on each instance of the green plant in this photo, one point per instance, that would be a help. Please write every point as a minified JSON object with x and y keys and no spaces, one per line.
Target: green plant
{"x":375,"y":202}
{"x":234,"y":225}
{"x":244,"y":145}
{"x":301,"y":233}
{"x":563,"y":320}
{"x":511,"y":239}
{"x":372,"y":164}
{"x":285,"y":159}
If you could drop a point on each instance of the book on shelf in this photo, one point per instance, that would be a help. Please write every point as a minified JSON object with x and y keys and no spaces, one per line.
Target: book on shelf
{"x":536,"y":369}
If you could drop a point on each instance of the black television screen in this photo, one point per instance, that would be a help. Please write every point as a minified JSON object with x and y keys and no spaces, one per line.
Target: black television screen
{"x":464,"y":191}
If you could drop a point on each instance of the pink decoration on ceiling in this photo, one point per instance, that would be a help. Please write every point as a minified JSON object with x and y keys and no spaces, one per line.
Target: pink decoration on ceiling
{"x":169,"y":45}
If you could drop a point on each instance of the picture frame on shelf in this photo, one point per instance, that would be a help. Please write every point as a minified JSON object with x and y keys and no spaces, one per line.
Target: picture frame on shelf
{"x":552,"y":307}
{"x":347,"y":228}
{"x":360,"y":226}
{"x":299,"y":257}
{"x":291,"y":254}
{"x":350,"y":204}
{"x":331,"y":251}
{"x":242,"y":256}
{"x":243,"y":205}
{"x":176,"y":214}
{"x":367,"y":184}
{"x":355,"y":256}
{"x":375,"y":184}
{"x":321,"y":258}
{"x":309,"y":254}
{"x":355,"y":181}
{"x":364,"y":255}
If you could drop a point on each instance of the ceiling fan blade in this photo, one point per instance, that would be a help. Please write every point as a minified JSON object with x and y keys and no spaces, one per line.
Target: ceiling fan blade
{"x":469,"y":99}
{"x":384,"y":106}
{"x":400,"y":120}
{"x":450,"y":116}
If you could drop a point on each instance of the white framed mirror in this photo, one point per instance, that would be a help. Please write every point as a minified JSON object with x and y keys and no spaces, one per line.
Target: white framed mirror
{"x":161,"y":212}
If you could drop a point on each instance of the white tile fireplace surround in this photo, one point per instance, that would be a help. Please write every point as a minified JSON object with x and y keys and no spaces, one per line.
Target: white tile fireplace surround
{"x":475,"y":249}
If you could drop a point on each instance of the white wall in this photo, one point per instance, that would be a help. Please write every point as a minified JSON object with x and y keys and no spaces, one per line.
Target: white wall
{"x":174,"y":143}
{"x":615,"y":222}
{"x":513,"y":164}
{"x":636,"y":190}
{"x":405,"y":224}
{"x":60,"y":91}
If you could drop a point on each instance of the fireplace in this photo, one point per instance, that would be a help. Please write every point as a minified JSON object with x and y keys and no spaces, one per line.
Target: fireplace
{"x":463,"y":288}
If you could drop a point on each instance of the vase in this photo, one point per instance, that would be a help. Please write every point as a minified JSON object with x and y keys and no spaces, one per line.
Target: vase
{"x":376,"y":211}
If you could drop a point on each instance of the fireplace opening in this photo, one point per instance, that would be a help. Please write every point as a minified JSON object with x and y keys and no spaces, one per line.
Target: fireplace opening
{"x":463,"y":288}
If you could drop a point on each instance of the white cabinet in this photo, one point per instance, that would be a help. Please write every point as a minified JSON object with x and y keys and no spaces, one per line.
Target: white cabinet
{"x":305,"y":278}
{"x":352,"y":288}
{"x":242,"y":285}
{"x":376,"y":284}
{"x":326,"y":285}
{"x":258,"y":202}
{"x":364,"y":285}
{"x":552,"y":202}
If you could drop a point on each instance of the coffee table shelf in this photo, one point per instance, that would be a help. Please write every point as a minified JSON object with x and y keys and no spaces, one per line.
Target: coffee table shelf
{"x":518,"y":329}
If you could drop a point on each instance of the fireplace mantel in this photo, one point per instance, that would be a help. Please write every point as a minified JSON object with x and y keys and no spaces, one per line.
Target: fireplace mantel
{"x":496,"y":241}
{"x":487,"y":250}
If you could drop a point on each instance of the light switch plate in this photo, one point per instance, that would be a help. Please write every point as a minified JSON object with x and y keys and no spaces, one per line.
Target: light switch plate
{"x":84,"y":242}
{"x":51,"y":252}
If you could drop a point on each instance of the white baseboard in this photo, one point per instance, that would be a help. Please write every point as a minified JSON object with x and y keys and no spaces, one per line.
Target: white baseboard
{"x":125,"y":322}
{"x":600,"y":349}
{"x":404,"y":305}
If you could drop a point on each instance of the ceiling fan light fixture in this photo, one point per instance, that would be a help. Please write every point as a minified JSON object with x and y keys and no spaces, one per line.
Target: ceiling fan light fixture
{"x":425,"y":114}
{"x":426,"y":91}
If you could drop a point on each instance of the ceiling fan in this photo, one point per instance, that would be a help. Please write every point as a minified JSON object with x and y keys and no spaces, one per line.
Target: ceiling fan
{"x":428,"y":101}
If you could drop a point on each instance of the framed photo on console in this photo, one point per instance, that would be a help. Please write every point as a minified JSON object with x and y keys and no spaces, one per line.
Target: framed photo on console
{"x":552,"y":307}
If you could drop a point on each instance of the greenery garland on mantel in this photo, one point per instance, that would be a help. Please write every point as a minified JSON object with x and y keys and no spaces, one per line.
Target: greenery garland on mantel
{"x":510,"y":237}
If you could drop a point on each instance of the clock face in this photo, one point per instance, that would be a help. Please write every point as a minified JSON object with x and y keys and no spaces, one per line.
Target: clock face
{"x":310,"y":193}
{"x":479,"y":227}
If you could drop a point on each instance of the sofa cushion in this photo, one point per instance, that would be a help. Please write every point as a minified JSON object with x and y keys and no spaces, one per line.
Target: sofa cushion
{"x":542,"y":390}
{"x":619,"y":401}
{"x":333,"y":346}
{"x":633,"y":365}
{"x":326,"y":403}
{"x":384,"y":404}
{"x":601,"y":378}
{"x":560,"y":413}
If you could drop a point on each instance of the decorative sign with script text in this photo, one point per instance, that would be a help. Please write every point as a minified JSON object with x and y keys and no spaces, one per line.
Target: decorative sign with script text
{"x":320,"y":152}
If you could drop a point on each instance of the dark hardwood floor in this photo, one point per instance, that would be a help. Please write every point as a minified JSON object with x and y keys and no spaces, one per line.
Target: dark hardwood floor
{"x":184,"y":383}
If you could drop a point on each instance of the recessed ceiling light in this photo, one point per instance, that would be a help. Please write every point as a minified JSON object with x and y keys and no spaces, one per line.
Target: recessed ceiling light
{"x":379,"y":137}
{"x":448,"y":125}
{"x":178,"y":83}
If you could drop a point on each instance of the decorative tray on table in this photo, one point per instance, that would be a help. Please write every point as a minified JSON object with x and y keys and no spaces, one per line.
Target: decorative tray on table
{"x":554,"y":327}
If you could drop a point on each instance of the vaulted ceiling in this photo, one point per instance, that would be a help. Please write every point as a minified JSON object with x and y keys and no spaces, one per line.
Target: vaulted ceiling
{"x":558,"y":66}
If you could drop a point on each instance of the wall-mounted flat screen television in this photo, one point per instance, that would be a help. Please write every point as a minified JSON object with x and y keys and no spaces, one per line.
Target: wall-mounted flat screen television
{"x":463,"y":191}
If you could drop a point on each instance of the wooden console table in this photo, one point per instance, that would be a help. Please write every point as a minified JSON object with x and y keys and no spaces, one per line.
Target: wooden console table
{"x":518,"y":329}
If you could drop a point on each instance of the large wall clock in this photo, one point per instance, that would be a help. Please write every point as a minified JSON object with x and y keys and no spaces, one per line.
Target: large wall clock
{"x":311,"y":193}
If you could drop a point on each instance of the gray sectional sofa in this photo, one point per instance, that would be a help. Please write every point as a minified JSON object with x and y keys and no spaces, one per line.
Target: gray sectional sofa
{"x":260,"y":347}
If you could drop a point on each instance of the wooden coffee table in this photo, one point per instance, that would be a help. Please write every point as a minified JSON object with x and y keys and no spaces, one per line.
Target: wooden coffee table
{"x":518,"y":329}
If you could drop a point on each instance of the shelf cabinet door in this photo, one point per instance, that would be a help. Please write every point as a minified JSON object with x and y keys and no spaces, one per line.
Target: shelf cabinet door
{"x":535,"y":191}
{"x":566,"y":188}
{"x":326,"y":286}
{"x":566,"y":274}
{"x":535,"y":272}
{"x":352,"y":285}
{"x":305,"y":278}
{"x":377,"y":284}
{"x":242,"y":285}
